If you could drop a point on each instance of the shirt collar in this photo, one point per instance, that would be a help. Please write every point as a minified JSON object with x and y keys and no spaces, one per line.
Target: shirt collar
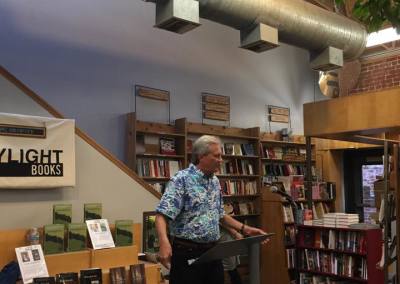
{"x":197,"y":171}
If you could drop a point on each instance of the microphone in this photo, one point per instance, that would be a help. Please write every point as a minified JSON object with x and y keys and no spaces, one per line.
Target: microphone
{"x":274,"y":189}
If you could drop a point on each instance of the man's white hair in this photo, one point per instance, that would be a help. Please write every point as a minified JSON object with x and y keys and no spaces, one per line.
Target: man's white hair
{"x":202,"y":145}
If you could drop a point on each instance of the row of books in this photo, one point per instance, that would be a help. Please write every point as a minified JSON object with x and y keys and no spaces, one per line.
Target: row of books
{"x":58,"y":238}
{"x":157,"y":168}
{"x":236,"y":167}
{"x":288,"y":216}
{"x":290,"y":235}
{"x":319,"y":210}
{"x":62,"y":213}
{"x":279,"y":169}
{"x":64,"y":235}
{"x":239,"y":208}
{"x":166,"y":146}
{"x":339,"y":264}
{"x":244,"y":149}
{"x":304,"y":215}
{"x":228,"y":187}
{"x":159,"y":186}
{"x":284,"y":153}
{"x":238,"y":187}
{"x":346,"y":241}
{"x":320,"y":190}
{"x":316,"y":279}
{"x":118,"y":275}
{"x":291,"y":258}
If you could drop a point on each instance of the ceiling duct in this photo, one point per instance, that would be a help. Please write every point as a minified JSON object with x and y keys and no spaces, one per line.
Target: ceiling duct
{"x":297,"y":22}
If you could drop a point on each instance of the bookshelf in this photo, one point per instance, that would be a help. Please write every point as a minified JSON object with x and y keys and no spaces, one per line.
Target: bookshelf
{"x":281,"y":158}
{"x":341,"y":254}
{"x":278,"y":216}
{"x":239,"y":174}
{"x":246,"y":152}
{"x":145,"y":153}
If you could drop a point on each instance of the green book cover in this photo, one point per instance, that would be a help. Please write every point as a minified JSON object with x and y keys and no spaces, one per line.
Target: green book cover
{"x":53,"y":241}
{"x":123,"y":233}
{"x":62,"y":213}
{"x":92,"y":211}
{"x":76,"y":236}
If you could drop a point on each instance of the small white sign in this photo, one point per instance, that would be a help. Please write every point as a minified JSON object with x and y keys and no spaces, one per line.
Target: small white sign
{"x":31,"y":262}
{"x":100,"y":234}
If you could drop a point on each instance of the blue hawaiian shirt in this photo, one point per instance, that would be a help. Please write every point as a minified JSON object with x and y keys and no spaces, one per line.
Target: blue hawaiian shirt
{"x":193,"y":204}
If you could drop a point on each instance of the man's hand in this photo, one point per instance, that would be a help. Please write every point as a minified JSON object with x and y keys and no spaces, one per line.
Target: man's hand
{"x":227,"y":221}
{"x":252,"y":231}
{"x":165,"y":254}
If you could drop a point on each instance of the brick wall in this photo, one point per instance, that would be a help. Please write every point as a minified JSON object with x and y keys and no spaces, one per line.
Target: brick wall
{"x":379,"y":74}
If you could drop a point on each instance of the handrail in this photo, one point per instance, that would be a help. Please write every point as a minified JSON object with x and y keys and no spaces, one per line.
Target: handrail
{"x":39,"y":100}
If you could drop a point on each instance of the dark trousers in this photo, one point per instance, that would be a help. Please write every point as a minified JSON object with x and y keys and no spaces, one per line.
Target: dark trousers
{"x":183,"y":273}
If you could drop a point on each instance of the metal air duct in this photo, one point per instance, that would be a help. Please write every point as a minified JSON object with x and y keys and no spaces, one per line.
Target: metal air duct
{"x":298,"y":23}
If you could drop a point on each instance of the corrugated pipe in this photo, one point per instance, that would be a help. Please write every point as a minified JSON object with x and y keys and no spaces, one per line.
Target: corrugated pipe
{"x":299,"y":23}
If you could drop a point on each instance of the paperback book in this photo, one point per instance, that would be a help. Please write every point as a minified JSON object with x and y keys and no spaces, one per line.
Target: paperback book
{"x":92,"y":211}
{"x":118,"y":275}
{"x":123,"y":233}
{"x":53,"y":240}
{"x":76,"y":236}
{"x":167,"y":146}
{"x":67,"y":278}
{"x":91,"y":276}
{"x":44,"y":280}
{"x":138,"y":275}
{"x":62,"y":213}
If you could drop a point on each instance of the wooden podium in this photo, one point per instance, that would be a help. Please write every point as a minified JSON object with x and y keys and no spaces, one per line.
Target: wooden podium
{"x":249,"y":245}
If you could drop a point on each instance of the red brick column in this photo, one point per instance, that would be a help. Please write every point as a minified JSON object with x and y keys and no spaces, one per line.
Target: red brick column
{"x":379,"y":74}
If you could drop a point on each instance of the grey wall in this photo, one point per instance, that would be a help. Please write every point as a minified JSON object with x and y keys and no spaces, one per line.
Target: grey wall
{"x":97,"y":180}
{"x":84,"y":57}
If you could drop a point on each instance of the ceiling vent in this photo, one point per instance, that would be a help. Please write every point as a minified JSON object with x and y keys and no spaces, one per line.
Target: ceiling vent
{"x":179,"y":16}
{"x":259,"y":39}
{"x":331,"y":58}
{"x":297,"y":23}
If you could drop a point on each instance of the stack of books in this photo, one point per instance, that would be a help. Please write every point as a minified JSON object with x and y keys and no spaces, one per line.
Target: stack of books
{"x":344,"y":220}
{"x":340,"y":220}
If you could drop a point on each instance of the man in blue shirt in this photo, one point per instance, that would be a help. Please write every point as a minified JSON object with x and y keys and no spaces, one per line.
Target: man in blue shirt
{"x":192,"y":209}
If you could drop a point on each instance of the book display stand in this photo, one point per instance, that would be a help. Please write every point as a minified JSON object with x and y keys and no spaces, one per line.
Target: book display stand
{"x":80,"y":260}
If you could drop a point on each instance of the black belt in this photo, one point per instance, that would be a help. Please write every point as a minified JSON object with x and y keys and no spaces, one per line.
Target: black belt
{"x":191,"y":244}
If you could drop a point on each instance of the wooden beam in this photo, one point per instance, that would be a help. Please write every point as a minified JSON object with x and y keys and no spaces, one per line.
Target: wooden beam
{"x":348,"y":7}
{"x":361,"y":114}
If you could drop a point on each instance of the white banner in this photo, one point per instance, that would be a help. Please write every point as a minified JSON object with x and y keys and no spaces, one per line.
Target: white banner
{"x":36,"y":152}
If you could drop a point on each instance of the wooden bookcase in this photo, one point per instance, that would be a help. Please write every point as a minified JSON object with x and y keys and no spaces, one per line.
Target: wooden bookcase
{"x":182,"y":132}
{"x":141,"y":156}
{"x":261,"y":207}
{"x":240,"y":173}
{"x":344,"y":254}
